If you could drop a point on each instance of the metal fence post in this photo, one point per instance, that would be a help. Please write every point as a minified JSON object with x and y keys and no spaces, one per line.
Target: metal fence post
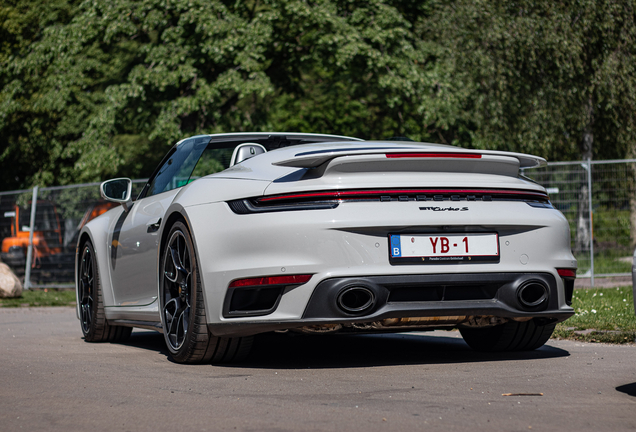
{"x":589,"y":199}
{"x":27,"y":266}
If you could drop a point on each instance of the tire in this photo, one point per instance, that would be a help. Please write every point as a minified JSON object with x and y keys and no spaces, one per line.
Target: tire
{"x":183,"y":308}
{"x":91,"y":302}
{"x":512,"y":336}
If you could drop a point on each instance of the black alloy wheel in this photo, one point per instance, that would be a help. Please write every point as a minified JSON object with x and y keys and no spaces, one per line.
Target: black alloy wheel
{"x":86,"y":289}
{"x":90,"y":300}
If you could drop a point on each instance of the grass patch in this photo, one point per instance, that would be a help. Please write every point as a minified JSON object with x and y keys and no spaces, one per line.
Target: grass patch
{"x":610,"y":264}
{"x":607,"y":262}
{"x":41,"y":298}
{"x":602,"y":315}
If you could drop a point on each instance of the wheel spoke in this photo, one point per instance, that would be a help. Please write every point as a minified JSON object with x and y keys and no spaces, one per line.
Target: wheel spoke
{"x":169,"y":310}
{"x":178,"y":328}
{"x":180,"y":273}
{"x":86,"y":315}
{"x":172,"y":332}
{"x":173,"y":313}
{"x":180,"y":324}
{"x":89,"y":266}
{"x":172,"y":274}
{"x":178,"y":250}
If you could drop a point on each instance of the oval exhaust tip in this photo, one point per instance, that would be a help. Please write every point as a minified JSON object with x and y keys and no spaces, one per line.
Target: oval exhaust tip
{"x":532,"y":294}
{"x":355,"y":300}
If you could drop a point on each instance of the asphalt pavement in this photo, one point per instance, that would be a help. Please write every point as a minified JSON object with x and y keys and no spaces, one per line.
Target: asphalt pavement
{"x":52,"y":380}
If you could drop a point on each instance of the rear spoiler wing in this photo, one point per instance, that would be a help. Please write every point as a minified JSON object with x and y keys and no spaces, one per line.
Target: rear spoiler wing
{"x":314,"y":159}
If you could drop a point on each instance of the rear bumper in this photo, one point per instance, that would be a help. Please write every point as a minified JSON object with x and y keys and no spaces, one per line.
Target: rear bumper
{"x":464,"y":297}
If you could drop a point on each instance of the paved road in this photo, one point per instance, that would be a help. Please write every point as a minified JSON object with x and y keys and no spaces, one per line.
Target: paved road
{"x":52,"y":380}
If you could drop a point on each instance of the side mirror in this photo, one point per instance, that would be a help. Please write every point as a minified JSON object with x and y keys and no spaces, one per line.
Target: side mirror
{"x":245,"y":151}
{"x":117,"y":190}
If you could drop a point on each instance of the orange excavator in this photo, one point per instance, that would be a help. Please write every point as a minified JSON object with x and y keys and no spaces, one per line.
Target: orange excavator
{"x":48,"y":234}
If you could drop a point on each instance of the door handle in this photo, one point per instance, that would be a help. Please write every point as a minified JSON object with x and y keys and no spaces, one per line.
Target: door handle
{"x":154,"y":227}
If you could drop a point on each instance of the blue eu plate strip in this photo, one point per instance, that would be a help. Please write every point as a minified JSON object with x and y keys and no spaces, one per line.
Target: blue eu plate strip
{"x":396,"y":247}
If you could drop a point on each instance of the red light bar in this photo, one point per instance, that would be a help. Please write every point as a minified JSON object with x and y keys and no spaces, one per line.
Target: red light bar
{"x":271,"y":280}
{"x":434,"y":155}
{"x":567,"y":273}
{"x":348,"y":194}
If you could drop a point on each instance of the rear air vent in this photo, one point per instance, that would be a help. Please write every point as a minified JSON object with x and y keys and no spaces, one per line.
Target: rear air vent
{"x":322,"y":200}
{"x":402,"y":294}
{"x":258,"y":296}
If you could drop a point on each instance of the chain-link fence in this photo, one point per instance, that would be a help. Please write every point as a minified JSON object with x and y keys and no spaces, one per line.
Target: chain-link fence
{"x":40,"y":226}
{"x":599,"y":200}
{"x":597,"y":197}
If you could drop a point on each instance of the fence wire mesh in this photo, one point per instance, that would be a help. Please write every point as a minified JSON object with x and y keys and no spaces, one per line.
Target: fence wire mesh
{"x":605,"y":237}
{"x":60,"y":213}
{"x":602,"y":240}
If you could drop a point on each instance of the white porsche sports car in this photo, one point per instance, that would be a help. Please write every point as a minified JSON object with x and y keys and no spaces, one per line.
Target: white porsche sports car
{"x":245,"y":233}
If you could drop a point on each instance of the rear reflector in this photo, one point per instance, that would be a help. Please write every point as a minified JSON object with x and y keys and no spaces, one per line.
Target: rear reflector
{"x":271,"y":280}
{"x":434,"y":155}
{"x":567,"y":273}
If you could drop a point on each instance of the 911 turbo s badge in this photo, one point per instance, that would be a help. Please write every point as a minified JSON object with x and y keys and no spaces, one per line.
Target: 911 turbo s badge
{"x":454,"y":209}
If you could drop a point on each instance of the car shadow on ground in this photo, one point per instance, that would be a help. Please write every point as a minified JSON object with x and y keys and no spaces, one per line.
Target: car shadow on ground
{"x":283,"y":351}
{"x":292,"y":351}
{"x":628,"y":389}
{"x":147,"y":340}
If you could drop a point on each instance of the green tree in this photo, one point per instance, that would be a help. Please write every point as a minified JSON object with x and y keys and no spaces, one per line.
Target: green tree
{"x":119,"y":81}
{"x":551,"y":78}
{"x":352,"y":68}
{"x":28,"y":139}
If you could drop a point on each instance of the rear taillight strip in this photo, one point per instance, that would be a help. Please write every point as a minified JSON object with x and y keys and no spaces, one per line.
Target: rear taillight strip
{"x":323,"y":200}
{"x":353,"y":194}
{"x":247,"y":206}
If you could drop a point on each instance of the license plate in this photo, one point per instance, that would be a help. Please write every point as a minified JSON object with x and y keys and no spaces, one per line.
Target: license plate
{"x":477,"y":247}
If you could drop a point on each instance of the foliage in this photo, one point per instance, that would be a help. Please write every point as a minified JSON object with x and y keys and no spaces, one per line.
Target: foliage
{"x":357,"y":69}
{"x":91,"y":89}
{"x":542,"y":74}
{"x":121,"y":80}
{"x":27,"y":142}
